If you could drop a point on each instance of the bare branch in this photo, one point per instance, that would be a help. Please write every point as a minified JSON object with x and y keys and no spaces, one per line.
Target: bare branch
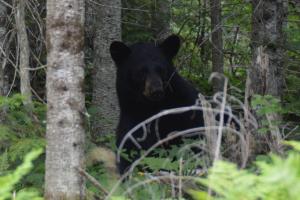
{"x":92,"y":180}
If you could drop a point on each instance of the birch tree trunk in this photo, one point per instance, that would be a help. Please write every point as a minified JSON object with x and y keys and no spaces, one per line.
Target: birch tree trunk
{"x":108,"y":29}
{"x":217,"y":43}
{"x":66,"y":101}
{"x":24,"y":52}
{"x":3,"y":16}
{"x":266,"y":74}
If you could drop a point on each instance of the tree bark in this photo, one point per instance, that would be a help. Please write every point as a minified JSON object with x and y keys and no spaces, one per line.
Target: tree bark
{"x":108,"y":29}
{"x":217,"y":43}
{"x":161,"y":17}
{"x":267,"y":46}
{"x":3,"y":13}
{"x":266,"y":74}
{"x":24,"y":52}
{"x":66,"y":101}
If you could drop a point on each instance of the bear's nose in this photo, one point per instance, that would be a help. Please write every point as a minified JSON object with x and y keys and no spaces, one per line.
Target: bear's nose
{"x":157,"y":94}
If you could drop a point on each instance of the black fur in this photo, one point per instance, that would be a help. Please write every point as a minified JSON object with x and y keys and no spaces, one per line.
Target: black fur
{"x":147,"y":83}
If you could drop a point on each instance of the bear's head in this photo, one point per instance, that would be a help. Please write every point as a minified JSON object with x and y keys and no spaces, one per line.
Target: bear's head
{"x":146,"y":68}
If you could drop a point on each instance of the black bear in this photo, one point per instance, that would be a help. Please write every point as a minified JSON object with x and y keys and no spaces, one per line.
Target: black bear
{"x":147,"y":83}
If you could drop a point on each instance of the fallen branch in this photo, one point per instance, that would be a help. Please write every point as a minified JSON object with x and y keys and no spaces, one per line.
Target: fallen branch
{"x":92,"y":180}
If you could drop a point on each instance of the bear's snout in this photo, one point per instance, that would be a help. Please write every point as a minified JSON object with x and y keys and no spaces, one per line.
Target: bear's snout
{"x":154,"y":90}
{"x":157,"y":94}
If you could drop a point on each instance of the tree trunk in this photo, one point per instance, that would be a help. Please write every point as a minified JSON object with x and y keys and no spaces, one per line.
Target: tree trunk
{"x":265,"y":75}
{"x":161,"y":16}
{"x":217,"y":43}
{"x":3,"y":16}
{"x":108,"y":29}
{"x":24,"y":52}
{"x":66,"y":101}
{"x":267,"y":46}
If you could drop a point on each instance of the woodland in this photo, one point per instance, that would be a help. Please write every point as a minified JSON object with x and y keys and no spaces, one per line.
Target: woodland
{"x":59,"y":109}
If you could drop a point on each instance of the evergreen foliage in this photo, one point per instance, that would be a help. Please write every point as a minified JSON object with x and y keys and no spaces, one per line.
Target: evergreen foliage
{"x":270,"y":177}
{"x":278,"y":178}
{"x":20,"y":133}
{"x":8,"y":181}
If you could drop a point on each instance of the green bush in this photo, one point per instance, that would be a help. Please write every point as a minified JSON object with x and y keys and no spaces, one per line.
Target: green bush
{"x":20,"y":133}
{"x":8,"y":182}
{"x":278,"y":179}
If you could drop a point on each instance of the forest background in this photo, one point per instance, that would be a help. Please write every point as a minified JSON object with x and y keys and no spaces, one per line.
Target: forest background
{"x":255,"y":44}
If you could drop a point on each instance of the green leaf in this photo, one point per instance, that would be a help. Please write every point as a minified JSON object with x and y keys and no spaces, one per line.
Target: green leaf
{"x":199,"y":195}
{"x":7,"y":182}
{"x":294,"y":144}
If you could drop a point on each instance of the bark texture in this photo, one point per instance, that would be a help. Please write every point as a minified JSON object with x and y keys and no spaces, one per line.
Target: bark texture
{"x":217,"y":43}
{"x":267,"y":69}
{"x":24,"y":52}
{"x":161,"y":17}
{"x":108,"y":29}
{"x":66,"y":101}
{"x":266,"y":74}
{"x":3,"y":12}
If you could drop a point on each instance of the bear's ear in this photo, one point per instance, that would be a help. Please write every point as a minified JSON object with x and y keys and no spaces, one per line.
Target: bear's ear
{"x":170,"y":46}
{"x":119,"y":51}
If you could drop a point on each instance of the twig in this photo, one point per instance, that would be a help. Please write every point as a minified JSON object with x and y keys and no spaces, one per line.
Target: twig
{"x":92,"y":180}
{"x":37,"y":96}
{"x":6,"y":4}
{"x":180,"y":179}
{"x":220,"y":99}
{"x":222,"y":111}
{"x":166,"y":179}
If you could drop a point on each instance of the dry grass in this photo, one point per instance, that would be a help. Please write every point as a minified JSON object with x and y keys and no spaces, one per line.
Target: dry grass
{"x":219,"y":142}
